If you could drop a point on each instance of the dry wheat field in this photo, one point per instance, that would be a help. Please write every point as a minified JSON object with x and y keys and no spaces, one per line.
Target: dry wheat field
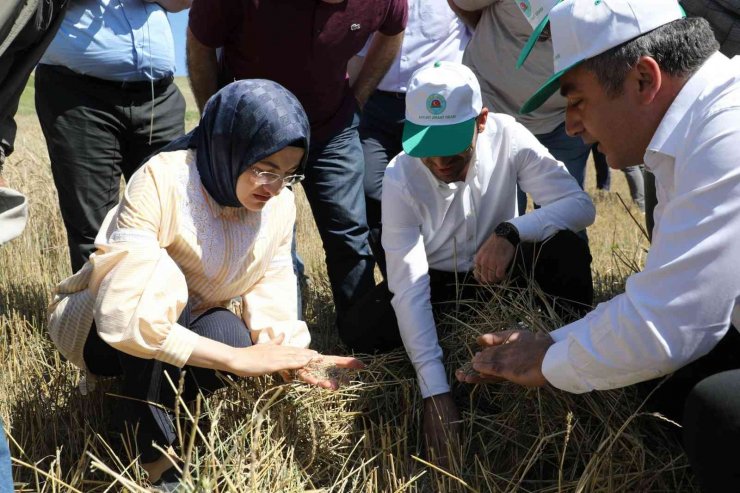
{"x":263,"y":435}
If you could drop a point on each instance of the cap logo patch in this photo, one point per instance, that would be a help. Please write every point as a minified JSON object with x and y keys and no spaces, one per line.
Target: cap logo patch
{"x":525,"y":7}
{"x":436,"y":104}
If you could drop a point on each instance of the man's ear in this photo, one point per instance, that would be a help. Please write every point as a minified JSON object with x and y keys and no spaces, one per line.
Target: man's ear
{"x":649,"y":79}
{"x":481,"y":120}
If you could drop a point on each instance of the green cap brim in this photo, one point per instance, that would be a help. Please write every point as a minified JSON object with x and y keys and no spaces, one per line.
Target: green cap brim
{"x":531,"y":42}
{"x":544,"y":92}
{"x":439,"y":140}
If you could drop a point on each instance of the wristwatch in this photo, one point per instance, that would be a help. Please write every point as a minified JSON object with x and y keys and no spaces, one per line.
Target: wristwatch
{"x":508,"y":231}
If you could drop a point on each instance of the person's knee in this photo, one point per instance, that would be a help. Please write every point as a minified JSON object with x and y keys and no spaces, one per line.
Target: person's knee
{"x":221,"y":325}
{"x":570,"y":246}
{"x":370,"y":325}
{"x":716,"y":399}
{"x":711,"y":427}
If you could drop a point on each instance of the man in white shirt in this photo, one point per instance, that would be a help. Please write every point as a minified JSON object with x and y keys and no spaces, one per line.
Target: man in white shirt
{"x":449,"y":207}
{"x":647,"y":84}
{"x":433,"y":32}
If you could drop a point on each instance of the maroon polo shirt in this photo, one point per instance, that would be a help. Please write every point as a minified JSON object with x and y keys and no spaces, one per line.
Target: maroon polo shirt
{"x":303,"y":45}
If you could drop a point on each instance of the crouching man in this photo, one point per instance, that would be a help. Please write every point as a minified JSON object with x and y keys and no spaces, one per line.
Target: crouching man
{"x":449,"y":212}
{"x":649,"y":86}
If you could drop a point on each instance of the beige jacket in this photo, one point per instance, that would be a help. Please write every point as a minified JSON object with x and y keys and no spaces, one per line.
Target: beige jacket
{"x":168,"y":242}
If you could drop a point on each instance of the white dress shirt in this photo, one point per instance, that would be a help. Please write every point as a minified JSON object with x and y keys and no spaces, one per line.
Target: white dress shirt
{"x":680,"y":306}
{"x":433,"y":33}
{"x":431,"y":224}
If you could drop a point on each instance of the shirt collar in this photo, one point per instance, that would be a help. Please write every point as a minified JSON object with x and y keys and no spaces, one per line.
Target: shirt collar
{"x":667,"y":138}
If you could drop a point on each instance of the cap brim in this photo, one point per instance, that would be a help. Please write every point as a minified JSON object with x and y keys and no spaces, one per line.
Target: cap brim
{"x":544,"y":92}
{"x":439,"y":140}
{"x":531,"y":42}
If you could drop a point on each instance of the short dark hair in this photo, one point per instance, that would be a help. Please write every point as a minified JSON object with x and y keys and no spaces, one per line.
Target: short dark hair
{"x":680,"y":48}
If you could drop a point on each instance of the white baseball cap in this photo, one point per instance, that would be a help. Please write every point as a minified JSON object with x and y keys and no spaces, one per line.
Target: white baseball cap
{"x":537,"y":14}
{"x":443,"y":101}
{"x":582,"y":29}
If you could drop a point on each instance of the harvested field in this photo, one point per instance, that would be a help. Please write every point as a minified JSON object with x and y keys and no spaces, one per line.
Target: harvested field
{"x":263,"y":435}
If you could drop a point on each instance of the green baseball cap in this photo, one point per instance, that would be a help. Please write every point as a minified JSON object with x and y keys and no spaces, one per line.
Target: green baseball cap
{"x":443,"y":101}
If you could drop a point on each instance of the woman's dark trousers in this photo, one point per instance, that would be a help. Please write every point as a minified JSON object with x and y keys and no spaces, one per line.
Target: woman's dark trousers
{"x":149,"y":399}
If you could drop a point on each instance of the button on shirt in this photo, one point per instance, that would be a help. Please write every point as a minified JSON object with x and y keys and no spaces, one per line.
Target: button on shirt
{"x":431,"y":224}
{"x":680,"y":306}
{"x":433,"y":33}
{"x":303,"y":45}
{"x":121,"y":40}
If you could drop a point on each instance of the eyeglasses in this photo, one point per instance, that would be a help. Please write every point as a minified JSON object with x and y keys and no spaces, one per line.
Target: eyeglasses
{"x":269,"y":178}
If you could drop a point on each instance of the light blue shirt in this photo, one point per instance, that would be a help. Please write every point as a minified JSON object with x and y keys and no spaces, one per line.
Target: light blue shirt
{"x":433,"y":33}
{"x":122,"y":40}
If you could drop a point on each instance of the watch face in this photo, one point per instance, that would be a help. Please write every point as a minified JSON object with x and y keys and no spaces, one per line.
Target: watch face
{"x":508,"y":231}
{"x":503,"y":229}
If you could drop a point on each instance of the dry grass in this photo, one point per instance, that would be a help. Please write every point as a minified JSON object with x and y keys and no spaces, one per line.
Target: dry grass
{"x":265,"y":436}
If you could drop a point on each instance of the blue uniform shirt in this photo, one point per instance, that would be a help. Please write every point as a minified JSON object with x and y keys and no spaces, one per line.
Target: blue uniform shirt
{"x":121,"y":40}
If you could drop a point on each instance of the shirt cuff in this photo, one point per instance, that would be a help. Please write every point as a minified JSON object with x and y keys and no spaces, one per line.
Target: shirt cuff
{"x":529,"y":227}
{"x":178,"y":346}
{"x":562,"y":333}
{"x":433,"y":379}
{"x":559,"y":372}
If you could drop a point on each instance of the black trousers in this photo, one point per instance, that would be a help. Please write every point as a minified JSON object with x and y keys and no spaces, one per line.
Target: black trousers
{"x":20,"y":57}
{"x":711,"y":425}
{"x":560,"y":265}
{"x":704,"y":397}
{"x":149,"y":398}
{"x":381,"y":128}
{"x":95,"y":132}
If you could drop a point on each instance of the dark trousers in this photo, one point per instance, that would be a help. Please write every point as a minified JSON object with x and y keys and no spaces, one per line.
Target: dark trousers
{"x":381,"y":128}
{"x":97,"y":131}
{"x":560,"y":265}
{"x":148,"y":397}
{"x":704,"y":397}
{"x":333,"y":186}
{"x":20,"y":57}
{"x":711,"y":425}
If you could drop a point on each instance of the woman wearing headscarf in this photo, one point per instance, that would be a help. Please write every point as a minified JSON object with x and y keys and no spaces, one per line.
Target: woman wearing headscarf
{"x":206,"y":220}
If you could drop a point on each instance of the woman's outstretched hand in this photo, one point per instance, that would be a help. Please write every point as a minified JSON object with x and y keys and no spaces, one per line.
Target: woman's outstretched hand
{"x":328,"y":371}
{"x":271,"y":357}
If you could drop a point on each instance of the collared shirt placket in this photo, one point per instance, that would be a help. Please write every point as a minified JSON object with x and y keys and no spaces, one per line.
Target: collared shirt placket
{"x":140,"y":37}
{"x":470,"y":228}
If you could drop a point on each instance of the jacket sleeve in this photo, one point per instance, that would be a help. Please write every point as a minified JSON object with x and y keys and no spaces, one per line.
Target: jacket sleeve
{"x":139,"y":290}
{"x":270,"y":305}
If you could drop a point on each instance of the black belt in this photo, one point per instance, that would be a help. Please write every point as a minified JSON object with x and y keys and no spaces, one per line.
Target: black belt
{"x":395,"y":95}
{"x":133,"y":86}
